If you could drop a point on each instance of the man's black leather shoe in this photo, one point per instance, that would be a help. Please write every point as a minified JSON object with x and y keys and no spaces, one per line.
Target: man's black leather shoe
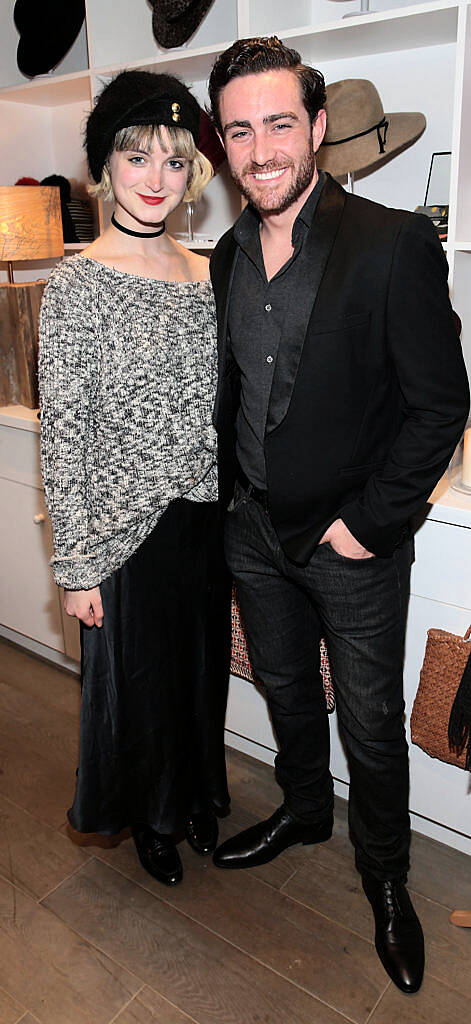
{"x":201,"y":831}
{"x":158,"y":854}
{"x":264,"y":841}
{"x":399,"y":938}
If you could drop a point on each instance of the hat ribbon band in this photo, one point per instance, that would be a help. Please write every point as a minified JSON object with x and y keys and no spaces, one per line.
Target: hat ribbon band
{"x":381,"y":128}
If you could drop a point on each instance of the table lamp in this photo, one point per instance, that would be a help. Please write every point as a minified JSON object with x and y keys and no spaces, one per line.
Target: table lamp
{"x":30,"y":229}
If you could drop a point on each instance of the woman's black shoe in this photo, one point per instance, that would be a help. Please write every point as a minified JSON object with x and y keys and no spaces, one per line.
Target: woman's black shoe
{"x":201,"y":831}
{"x":158,"y":854}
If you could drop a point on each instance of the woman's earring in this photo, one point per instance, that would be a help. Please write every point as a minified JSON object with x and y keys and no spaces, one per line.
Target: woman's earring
{"x":189,"y":221}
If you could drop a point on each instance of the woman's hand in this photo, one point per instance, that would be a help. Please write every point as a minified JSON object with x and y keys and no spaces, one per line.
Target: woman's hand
{"x":85,"y":605}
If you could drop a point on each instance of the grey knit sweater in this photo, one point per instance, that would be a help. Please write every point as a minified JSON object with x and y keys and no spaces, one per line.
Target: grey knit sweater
{"x":127,"y":374}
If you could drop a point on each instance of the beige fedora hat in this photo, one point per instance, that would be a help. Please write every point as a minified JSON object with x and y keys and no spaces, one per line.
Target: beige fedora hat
{"x":359,"y":134}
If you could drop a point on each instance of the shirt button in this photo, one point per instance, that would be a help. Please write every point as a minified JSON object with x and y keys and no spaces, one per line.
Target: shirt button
{"x":268,"y":307}
{"x":269,"y":359}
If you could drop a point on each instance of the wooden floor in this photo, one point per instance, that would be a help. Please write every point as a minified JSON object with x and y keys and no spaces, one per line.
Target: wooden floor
{"x":87,"y":937}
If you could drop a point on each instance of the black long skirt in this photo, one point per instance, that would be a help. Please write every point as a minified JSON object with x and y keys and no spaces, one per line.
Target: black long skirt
{"x":154,"y":682}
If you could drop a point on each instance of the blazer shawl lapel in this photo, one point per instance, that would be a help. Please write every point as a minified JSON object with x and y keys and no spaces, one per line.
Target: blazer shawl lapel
{"x":318,"y":244}
{"x":222,"y":276}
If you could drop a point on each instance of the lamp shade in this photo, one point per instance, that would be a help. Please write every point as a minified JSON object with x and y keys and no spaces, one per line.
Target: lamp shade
{"x":30,"y":223}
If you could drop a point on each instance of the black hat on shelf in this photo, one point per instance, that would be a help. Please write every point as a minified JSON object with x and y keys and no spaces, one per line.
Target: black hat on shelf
{"x":47,"y":31}
{"x":174,"y":21}
{"x":63,"y":184}
{"x":135,"y":98}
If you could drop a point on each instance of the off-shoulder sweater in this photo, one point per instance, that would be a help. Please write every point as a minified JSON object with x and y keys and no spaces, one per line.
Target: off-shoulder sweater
{"x":127,"y":375}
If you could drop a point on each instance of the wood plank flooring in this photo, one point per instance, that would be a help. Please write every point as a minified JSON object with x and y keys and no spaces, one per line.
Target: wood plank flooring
{"x":88,"y":937}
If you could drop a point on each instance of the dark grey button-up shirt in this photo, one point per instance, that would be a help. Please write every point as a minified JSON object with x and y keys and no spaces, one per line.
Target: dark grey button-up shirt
{"x":257,"y":313}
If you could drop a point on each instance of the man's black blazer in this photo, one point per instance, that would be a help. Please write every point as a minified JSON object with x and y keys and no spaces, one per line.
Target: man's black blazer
{"x":371,"y":395}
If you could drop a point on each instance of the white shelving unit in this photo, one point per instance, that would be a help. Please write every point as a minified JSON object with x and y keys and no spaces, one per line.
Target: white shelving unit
{"x":419,"y":57}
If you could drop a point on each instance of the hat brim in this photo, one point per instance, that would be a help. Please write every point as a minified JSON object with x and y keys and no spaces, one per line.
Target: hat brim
{"x":363,"y":153}
{"x":175,"y":33}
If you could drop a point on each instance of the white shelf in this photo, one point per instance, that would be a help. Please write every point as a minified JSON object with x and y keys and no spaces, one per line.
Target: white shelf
{"x":393,"y":47}
{"x":407,"y":28}
{"x":47,"y":91}
{"x":194,"y":65}
{"x":450,"y":506}
{"x":19,"y":416}
{"x":396,"y":29}
{"x":198,"y":242}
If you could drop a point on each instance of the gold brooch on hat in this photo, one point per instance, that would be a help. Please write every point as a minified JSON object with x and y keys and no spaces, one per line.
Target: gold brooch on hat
{"x":175,"y":111}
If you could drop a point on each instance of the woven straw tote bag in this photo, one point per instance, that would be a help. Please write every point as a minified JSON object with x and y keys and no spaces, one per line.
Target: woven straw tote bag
{"x":446,"y":657}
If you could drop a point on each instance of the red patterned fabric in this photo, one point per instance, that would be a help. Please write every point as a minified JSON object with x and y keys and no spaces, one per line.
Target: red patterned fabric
{"x":240,"y":661}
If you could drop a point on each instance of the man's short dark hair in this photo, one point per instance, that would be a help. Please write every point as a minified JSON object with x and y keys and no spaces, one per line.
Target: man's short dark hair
{"x":251,"y":57}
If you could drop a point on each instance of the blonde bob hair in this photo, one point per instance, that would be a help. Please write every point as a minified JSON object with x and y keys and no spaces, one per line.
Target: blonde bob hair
{"x":182,"y":144}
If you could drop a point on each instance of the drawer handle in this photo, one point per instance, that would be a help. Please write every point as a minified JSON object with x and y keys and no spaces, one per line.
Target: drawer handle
{"x":39,"y":518}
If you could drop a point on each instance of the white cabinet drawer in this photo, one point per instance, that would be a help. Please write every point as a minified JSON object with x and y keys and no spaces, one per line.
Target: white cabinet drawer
{"x":29,"y":598}
{"x":442,"y":567}
{"x":19,"y":456}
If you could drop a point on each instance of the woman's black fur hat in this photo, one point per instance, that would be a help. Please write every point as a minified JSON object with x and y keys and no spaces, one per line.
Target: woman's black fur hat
{"x":137,"y":97}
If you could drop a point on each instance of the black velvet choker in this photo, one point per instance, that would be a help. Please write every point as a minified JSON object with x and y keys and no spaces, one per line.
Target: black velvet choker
{"x":137,"y":234}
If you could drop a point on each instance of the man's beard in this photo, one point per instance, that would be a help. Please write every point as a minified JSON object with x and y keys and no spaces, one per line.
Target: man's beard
{"x":280,"y":203}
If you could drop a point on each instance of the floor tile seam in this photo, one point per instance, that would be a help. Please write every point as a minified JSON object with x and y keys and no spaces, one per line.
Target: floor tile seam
{"x":331,"y":920}
{"x":125,"y":1005}
{"x":413,"y":892}
{"x":211,"y":931}
{"x":288,"y":880}
{"x":379,"y":1000}
{"x":188,"y":1016}
{"x":437,"y":903}
{"x":64,"y":880}
{"x":98,"y":949}
{"x":267,"y":885}
{"x":92,"y":946}
{"x":19,"y":887}
{"x":43,"y":706}
{"x":24,"y":1010}
{"x":63,"y":759}
{"x":59,"y":828}
{"x":38,"y":821}
{"x":9,"y":678}
{"x":446,"y":984}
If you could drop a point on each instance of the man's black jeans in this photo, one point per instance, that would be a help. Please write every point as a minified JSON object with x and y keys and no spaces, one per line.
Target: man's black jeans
{"x":360,"y":607}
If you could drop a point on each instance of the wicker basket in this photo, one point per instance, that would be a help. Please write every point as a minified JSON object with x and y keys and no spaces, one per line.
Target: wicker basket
{"x":445,"y":660}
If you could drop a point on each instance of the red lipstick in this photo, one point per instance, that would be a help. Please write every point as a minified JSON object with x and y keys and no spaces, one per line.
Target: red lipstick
{"x":151,"y":200}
